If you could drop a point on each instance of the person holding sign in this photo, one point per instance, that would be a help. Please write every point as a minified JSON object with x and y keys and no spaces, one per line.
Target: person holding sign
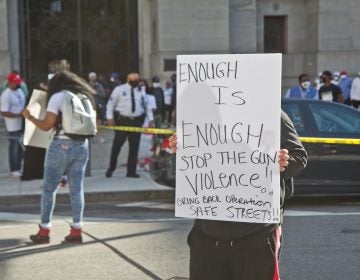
{"x":230,"y":250}
{"x":66,"y":155}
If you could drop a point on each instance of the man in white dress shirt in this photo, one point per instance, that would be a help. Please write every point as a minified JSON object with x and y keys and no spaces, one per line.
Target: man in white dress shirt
{"x":127,"y":106}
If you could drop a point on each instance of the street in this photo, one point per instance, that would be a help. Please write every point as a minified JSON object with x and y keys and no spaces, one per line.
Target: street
{"x":143,"y":240}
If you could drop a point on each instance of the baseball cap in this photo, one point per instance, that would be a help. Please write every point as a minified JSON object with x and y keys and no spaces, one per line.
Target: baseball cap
{"x":14,"y":78}
{"x":343,"y":72}
{"x":156,"y":79}
{"x":115,"y":75}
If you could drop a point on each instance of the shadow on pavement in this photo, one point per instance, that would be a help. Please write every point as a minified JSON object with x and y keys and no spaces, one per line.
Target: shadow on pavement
{"x":29,"y":248}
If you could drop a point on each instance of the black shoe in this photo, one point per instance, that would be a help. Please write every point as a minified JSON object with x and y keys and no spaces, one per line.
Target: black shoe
{"x":38,"y":239}
{"x":135,"y":175}
{"x":73,"y":239}
{"x":74,"y":236}
{"x":42,"y":237}
{"x":108,"y":173}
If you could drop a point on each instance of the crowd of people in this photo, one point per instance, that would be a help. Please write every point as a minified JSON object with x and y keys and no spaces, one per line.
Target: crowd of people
{"x":328,"y":86}
{"x":115,"y":103}
{"x":159,"y":98}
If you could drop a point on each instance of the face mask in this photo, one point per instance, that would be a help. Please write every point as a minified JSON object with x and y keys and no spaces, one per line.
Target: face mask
{"x":156,"y":85}
{"x":336,"y":78}
{"x":143,"y":88}
{"x":343,"y":76}
{"x":305,"y":84}
{"x":133,"y":83}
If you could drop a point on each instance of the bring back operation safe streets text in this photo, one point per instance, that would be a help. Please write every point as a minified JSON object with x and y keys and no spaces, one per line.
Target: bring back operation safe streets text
{"x":205,"y":184}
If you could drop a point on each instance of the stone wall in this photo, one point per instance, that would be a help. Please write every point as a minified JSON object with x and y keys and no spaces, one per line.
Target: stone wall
{"x":339,"y":39}
{"x":295,"y":61}
{"x":188,"y":27}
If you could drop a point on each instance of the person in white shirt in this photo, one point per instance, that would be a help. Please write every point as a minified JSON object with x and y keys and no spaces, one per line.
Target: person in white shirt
{"x":12,"y":105}
{"x":355,"y":92}
{"x":168,"y":107}
{"x":65,"y":155}
{"x":127,"y":106}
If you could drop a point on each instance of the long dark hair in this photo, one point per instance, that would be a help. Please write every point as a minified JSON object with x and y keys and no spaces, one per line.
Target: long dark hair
{"x":72,"y":82}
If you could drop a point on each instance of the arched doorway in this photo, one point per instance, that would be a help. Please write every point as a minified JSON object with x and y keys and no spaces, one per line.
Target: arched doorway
{"x":96,"y":35}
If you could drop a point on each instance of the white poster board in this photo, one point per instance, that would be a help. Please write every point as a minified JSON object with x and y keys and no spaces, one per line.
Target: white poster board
{"x":228,"y":131}
{"x":34,"y":136}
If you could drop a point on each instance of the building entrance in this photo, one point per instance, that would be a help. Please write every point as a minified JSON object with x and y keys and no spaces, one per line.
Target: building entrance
{"x":96,"y":35}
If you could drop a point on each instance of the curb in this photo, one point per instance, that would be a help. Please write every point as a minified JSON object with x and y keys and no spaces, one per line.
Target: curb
{"x":125,"y":196}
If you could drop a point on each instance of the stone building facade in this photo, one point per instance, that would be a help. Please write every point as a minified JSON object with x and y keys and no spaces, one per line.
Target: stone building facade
{"x":315,"y":34}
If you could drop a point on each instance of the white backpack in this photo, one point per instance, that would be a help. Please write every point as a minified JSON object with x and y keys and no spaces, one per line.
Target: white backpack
{"x":78,"y":116}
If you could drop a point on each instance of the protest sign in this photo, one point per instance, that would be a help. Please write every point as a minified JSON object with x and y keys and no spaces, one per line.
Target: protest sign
{"x":34,"y":136}
{"x":228,"y":131}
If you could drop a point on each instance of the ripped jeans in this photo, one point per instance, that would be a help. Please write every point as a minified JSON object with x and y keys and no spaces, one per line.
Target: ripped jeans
{"x":64,"y":156}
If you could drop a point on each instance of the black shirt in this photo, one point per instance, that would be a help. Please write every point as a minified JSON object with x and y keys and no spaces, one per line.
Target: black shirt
{"x":330,"y":93}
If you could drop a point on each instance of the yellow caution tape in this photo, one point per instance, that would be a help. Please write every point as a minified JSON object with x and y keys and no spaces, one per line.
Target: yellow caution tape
{"x":347,"y":141}
{"x":139,"y":129}
{"x":149,"y":130}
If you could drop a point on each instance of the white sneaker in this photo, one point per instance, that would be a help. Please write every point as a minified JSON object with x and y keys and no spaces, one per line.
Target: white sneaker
{"x":16,"y":174}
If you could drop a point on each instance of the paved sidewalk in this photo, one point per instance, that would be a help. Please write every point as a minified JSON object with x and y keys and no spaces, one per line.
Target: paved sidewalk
{"x":97,"y":188}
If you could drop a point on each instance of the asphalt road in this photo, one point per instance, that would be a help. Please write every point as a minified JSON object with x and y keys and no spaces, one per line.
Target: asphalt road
{"x":144,"y":241}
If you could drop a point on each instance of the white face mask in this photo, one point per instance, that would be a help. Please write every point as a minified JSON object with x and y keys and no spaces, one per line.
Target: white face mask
{"x":143,"y":88}
{"x":343,"y":76}
{"x":336,"y":78}
{"x":305,"y":84}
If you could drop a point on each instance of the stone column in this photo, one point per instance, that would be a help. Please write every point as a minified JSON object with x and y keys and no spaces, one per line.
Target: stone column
{"x":4,"y":42}
{"x":14,"y":31}
{"x":145,"y":36}
{"x":242,"y":26}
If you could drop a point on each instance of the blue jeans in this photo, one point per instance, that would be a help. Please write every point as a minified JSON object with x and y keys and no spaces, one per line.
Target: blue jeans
{"x":64,"y":157}
{"x":15,"y":150}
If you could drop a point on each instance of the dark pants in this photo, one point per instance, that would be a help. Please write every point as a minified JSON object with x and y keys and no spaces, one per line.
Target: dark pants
{"x":356,"y":103}
{"x":168,"y":110}
{"x":15,"y":150}
{"x":119,"y":140}
{"x":347,"y":101}
{"x":33,"y":163}
{"x":251,"y":258}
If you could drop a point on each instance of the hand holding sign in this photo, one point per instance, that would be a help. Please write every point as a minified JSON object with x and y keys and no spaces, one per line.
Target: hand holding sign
{"x":283,"y":159}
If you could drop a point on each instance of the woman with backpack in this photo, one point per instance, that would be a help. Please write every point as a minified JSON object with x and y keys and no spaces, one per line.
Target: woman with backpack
{"x":66,"y":155}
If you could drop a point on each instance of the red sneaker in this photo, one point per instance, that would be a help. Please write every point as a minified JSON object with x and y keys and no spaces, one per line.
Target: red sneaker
{"x":74,"y":236}
{"x":42,"y":237}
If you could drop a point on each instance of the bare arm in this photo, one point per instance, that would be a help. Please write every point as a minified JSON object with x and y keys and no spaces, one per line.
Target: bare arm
{"x":11,"y":115}
{"x":46,"y":124}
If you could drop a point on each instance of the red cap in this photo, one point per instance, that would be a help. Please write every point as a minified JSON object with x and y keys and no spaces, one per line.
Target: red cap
{"x":343,"y":72}
{"x":14,"y":79}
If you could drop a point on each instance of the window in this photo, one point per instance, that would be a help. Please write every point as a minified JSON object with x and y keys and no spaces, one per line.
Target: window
{"x":293,"y":111}
{"x":275,"y":34}
{"x":169,"y":64}
{"x":335,"y":119}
